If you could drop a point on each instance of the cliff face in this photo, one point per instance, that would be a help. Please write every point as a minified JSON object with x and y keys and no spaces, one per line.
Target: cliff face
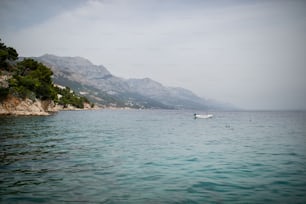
{"x":16,"y":106}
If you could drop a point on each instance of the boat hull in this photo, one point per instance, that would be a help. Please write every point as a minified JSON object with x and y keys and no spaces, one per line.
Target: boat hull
{"x":197,"y":116}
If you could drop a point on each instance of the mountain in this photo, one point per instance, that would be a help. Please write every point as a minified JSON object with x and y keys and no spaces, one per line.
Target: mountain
{"x":101,"y":87}
{"x":178,"y":98}
{"x":83,"y":71}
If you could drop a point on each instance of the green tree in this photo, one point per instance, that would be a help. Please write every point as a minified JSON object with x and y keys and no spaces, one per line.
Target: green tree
{"x":69,"y":97}
{"x":7,"y":54}
{"x":32,"y":79}
{"x":35,"y":77}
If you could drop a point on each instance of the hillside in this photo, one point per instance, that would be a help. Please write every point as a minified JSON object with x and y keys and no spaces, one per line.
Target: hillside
{"x":34,"y":79}
{"x":100,"y":86}
{"x":26,"y":87}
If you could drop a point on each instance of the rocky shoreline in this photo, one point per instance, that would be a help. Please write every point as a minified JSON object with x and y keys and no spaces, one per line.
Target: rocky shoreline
{"x":15,"y":106}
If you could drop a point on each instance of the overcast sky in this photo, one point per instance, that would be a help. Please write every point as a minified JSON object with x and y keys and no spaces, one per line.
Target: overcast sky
{"x":248,"y":53}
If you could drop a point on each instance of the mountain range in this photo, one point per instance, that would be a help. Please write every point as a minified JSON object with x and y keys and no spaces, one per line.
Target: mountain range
{"x":101,"y":87}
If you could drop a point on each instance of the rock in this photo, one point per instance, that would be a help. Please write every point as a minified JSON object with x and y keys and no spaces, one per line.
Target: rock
{"x":16,"y":106}
{"x":4,"y":80}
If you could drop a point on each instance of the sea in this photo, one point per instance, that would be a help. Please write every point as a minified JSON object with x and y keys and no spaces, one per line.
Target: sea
{"x":153,"y":156}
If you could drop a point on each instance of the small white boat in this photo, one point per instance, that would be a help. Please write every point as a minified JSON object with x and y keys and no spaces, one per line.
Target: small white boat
{"x":202,"y":116}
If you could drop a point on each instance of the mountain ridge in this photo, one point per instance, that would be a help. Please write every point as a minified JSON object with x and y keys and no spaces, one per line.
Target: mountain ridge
{"x":98,"y":84}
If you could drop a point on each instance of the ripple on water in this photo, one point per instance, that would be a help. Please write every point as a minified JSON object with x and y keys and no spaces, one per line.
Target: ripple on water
{"x":153,"y":157}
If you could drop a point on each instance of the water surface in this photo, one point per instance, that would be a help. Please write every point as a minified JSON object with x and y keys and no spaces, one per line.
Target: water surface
{"x":153,"y":156}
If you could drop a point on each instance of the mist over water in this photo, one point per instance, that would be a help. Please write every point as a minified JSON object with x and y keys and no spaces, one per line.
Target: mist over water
{"x":153,"y":156}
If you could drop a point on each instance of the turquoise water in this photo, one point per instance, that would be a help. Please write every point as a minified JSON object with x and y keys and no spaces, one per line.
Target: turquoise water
{"x":152,"y":156}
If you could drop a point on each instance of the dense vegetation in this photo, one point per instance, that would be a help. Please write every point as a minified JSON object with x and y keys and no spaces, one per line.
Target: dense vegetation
{"x":7,"y":55}
{"x":31,"y":79}
{"x":67,"y":96}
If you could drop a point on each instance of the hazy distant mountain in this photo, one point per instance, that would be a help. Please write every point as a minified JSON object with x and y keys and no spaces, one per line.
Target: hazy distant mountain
{"x":175,"y":97}
{"x":100,"y":86}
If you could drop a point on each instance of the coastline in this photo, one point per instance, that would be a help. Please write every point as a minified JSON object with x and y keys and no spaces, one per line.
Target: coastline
{"x":15,"y":106}
{"x":26,"y":107}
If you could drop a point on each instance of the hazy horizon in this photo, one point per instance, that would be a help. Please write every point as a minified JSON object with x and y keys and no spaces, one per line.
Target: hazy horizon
{"x":247,"y":53}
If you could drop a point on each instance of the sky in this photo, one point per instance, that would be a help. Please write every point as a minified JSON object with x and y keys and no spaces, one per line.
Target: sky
{"x":251,"y":54}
